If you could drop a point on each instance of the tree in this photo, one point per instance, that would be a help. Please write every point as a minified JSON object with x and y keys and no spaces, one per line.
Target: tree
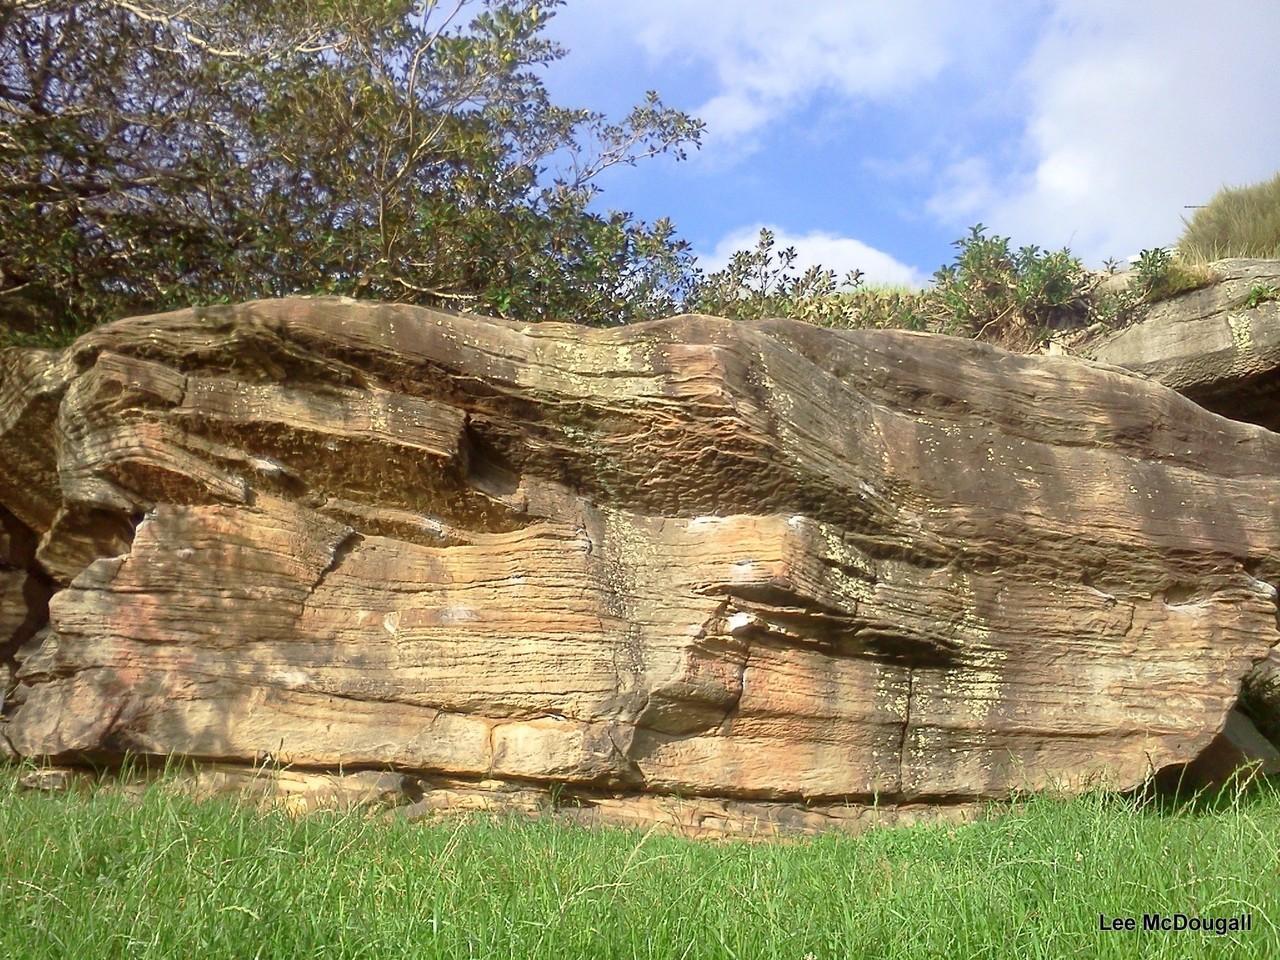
{"x":155,"y":153}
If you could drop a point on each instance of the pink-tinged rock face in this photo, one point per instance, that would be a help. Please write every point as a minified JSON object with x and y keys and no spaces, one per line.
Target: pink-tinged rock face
{"x":758,"y":563}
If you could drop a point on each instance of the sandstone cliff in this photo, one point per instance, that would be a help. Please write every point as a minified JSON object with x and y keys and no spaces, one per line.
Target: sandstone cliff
{"x":1220,"y":345}
{"x":763,"y":564}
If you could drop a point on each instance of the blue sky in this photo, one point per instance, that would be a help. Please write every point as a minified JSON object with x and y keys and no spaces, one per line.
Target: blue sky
{"x":873,"y":134}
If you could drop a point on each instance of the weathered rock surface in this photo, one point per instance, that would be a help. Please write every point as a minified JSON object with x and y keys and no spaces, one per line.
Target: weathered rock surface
{"x":404,"y":796}
{"x":24,"y":602}
{"x":1236,"y":755}
{"x":751,"y":565}
{"x":1211,"y":345}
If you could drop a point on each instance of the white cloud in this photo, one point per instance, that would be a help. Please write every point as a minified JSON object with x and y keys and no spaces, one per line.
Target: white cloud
{"x":818,"y":248}
{"x":732,"y":116}
{"x":1134,"y":111}
{"x":1116,"y":117}
{"x":966,"y":188}
{"x":765,"y":62}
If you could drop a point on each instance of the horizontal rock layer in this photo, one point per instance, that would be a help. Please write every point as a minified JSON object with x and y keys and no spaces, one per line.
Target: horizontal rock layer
{"x":414,"y":798}
{"x":748,"y":562}
{"x":1220,"y":345}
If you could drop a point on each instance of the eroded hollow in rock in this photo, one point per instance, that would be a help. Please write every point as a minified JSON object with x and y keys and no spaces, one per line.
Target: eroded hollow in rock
{"x":24,"y":600}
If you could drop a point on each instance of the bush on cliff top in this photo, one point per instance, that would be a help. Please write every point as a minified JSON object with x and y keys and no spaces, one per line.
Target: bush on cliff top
{"x":1015,"y":298}
{"x":157,"y":153}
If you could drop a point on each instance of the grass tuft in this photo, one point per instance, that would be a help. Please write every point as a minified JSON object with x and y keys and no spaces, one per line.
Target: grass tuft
{"x":1237,"y":222}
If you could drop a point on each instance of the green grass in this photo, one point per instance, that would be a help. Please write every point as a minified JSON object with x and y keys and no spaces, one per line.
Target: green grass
{"x":99,"y":875}
{"x":1259,"y":294}
{"x":1237,"y":222}
{"x":1180,"y":278}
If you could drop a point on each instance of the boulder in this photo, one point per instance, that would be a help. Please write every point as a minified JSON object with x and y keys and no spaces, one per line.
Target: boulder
{"x":1260,"y":696}
{"x":753,"y":564}
{"x":1213,"y":345}
{"x":1234,"y":757}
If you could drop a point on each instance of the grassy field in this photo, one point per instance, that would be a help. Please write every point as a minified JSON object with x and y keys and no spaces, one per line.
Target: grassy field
{"x":97,"y":875}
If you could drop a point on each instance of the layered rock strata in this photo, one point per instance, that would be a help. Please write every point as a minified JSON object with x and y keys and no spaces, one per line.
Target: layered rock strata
{"x":1220,"y":346}
{"x":753,"y":564}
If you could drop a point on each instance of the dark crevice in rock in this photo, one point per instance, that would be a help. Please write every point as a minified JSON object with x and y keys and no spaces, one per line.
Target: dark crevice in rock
{"x":485,"y":470}
{"x":1259,"y":700}
{"x":341,"y":550}
{"x":19,"y":558}
{"x":1178,"y":593}
{"x":1259,"y":697}
{"x":423,"y":529}
{"x":779,"y":598}
{"x":1253,"y":399}
{"x":420,"y":781}
{"x":783,"y":618}
{"x":906,"y":727}
{"x":1243,"y":746}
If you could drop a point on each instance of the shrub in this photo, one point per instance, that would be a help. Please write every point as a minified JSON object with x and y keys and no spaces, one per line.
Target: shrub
{"x":989,"y":292}
{"x":764,"y":282}
{"x":1161,"y":275}
{"x":1237,"y":222}
{"x":1011,"y":298}
{"x":1259,"y":294}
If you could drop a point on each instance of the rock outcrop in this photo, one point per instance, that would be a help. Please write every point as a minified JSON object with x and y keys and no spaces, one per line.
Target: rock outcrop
{"x":1219,"y":346}
{"x":775,"y":570}
{"x":24,"y":602}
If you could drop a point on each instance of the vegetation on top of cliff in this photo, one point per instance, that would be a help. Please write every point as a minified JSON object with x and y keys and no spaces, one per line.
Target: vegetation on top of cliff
{"x":991,"y":292}
{"x":1162,"y":274}
{"x":1237,"y":222}
{"x":1259,"y":294}
{"x":156,"y":153}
